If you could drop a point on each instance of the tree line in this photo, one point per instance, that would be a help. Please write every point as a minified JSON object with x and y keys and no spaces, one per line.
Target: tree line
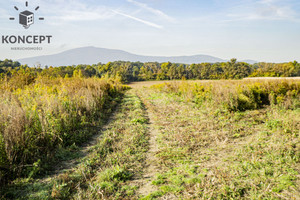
{"x":138,"y":71}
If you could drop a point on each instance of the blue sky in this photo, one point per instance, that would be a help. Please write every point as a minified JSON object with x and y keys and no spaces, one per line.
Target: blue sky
{"x":263,"y":30}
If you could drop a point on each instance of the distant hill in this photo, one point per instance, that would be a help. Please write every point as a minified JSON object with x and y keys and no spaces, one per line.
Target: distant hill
{"x":249,"y":61}
{"x":94,"y":55}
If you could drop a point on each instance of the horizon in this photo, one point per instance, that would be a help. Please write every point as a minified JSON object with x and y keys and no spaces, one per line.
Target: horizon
{"x":261,"y":30}
{"x":224,"y":59}
{"x":127,"y":52}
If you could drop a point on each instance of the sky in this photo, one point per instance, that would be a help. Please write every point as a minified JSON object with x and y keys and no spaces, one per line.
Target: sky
{"x":261,"y":30}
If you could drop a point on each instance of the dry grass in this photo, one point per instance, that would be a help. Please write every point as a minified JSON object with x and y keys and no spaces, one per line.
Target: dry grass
{"x":39,"y":117}
{"x":142,"y":84}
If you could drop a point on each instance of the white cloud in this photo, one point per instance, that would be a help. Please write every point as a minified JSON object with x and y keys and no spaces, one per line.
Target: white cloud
{"x":262,"y":10}
{"x":139,"y":20}
{"x":61,"y":12}
{"x":153,"y":10}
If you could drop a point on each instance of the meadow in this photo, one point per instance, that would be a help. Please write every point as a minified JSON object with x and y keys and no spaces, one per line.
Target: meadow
{"x":91,"y":138}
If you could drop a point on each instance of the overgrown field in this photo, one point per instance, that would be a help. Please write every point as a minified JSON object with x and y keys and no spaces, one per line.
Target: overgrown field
{"x":40,"y":117}
{"x":176,"y":140}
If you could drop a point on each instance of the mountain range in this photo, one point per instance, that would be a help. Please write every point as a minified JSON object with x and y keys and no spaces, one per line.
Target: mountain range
{"x":94,"y":55}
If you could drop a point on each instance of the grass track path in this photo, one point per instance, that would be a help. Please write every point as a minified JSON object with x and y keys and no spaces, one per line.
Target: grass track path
{"x":151,"y":164}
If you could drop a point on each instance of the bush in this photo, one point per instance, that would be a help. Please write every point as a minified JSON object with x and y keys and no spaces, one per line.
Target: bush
{"x":238,"y":95}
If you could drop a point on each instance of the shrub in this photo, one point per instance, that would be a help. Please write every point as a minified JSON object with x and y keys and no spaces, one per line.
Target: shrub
{"x":238,"y":95}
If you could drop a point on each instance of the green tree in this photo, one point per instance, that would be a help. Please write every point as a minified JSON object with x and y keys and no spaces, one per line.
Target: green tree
{"x":172,"y":72}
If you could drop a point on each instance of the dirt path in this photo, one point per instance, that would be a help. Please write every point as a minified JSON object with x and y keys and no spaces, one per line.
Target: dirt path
{"x":151,"y":165}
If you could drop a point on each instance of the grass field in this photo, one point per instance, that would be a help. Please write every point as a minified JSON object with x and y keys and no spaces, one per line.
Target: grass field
{"x":176,"y":140}
{"x":150,"y":83}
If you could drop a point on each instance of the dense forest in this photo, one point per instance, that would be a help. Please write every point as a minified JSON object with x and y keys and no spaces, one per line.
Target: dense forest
{"x":137,"y":71}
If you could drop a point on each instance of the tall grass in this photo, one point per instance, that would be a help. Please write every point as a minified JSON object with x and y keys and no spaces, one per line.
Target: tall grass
{"x":41,"y":115}
{"x":238,"y":95}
